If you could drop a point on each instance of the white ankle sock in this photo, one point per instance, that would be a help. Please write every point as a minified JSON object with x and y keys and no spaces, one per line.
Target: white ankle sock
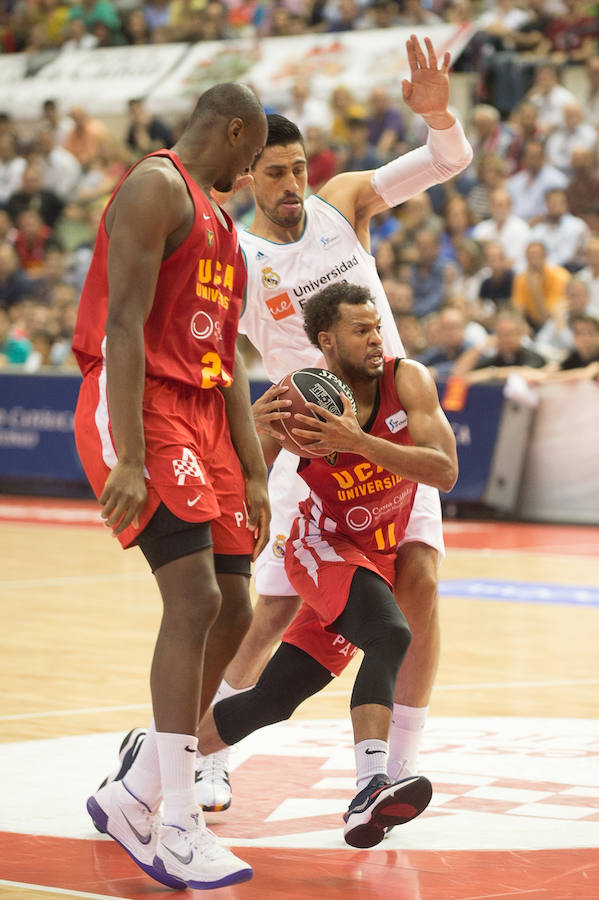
{"x":407,"y":727}
{"x":177,"y":754}
{"x":371,"y":759}
{"x":226,"y":690}
{"x":143,"y":778}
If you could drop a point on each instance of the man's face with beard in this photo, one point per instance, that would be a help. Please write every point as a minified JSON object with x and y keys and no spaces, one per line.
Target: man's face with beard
{"x":280,"y":179}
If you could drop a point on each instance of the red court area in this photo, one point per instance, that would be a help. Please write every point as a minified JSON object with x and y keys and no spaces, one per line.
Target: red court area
{"x":101,"y":868}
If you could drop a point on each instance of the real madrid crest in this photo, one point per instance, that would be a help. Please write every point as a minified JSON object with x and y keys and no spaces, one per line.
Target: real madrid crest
{"x":278,"y":546}
{"x":270,"y":279}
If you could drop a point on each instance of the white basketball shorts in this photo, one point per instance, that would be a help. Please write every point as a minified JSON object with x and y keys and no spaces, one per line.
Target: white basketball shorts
{"x":286,"y":489}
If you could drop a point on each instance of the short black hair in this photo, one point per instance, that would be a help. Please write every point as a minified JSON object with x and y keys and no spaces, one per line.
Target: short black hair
{"x":321,"y":311}
{"x":281,"y":133}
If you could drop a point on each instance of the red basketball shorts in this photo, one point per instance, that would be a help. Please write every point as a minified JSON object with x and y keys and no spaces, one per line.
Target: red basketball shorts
{"x":191,"y":465}
{"x":320,"y":566}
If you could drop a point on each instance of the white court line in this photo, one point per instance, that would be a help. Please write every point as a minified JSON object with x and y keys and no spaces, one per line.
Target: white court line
{"x":495,"y":685}
{"x":441,"y":687}
{"x":63,"y":891}
{"x":74,"y":712}
{"x":75,"y":579}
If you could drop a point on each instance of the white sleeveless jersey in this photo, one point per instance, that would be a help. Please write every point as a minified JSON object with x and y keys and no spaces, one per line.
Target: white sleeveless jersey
{"x":282,"y":277}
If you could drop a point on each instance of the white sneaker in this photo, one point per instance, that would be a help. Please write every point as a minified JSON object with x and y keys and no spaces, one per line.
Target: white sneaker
{"x":213,"y":788}
{"x":197,"y":858}
{"x":114,"y":810}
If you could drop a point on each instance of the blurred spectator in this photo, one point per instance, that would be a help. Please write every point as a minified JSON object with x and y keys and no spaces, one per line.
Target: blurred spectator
{"x":565,"y":236}
{"x":103,"y":172}
{"x":157,"y":14}
{"x":60,"y":125}
{"x":505,"y":352}
{"x":92,"y":11}
{"x":549,"y":96}
{"x":347,"y":16}
{"x":386,"y":131}
{"x":51,"y":273}
{"x":585,"y":331}
{"x":323,"y":162}
{"x":490,"y":175}
{"x":135,"y":27}
{"x":529,"y":186}
{"x":383,"y":14}
{"x":591,"y":98}
{"x":556,"y":338}
{"x":343,"y":108}
{"x":32,"y":196}
{"x":360,"y":155}
{"x":457,"y":225}
{"x":8,"y":232}
{"x":60,"y":169}
{"x":146,"y":133}
{"x":489,"y":134}
{"x":399,"y":294}
{"x":30,"y":242}
{"x":305,"y":109}
{"x":85,"y":137}
{"x":387,"y":259}
{"x":570,"y":134}
{"x":540,"y":289}
{"x":415,"y":214}
{"x":14,"y":348}
{"x":415,"y":13}
{"x":40,"y":355}
{"x":466,"y":275}
{"x":411,"y":333}
{"x":80,"y":38}
{"x":496,"y":287}
{"x":428,"y":274}
{"x":441,"y":358}
{"x":525,"y":123}
{"x":582,"y":192}
{"x":590,"y":274}
{"x":504,"y":227}
{"x":15,"y":285}
{"x":384,"y":226}
{"x":12,"y":166}
{"x":573,"y":34}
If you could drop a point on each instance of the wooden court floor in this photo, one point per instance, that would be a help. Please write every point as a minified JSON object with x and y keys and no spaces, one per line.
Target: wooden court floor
{"x":512,"y":745}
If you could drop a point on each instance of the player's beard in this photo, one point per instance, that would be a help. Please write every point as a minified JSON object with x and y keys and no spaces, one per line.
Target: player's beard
{"x":287,"y":219}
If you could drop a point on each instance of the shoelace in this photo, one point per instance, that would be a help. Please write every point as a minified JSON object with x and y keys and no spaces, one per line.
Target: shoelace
{"x":205,"y":842}
{"x":217,"y":764}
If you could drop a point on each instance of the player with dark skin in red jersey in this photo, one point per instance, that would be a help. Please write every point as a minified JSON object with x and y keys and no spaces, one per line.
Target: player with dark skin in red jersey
{"x":340,"y":555}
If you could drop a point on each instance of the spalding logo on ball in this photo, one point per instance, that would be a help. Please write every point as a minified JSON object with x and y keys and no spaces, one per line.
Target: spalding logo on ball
{"x":317,"y":386}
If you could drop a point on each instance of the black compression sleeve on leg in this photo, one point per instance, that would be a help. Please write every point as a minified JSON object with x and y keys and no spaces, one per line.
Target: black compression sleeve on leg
{"x":290,"y":677}
{"x":373,"y":621}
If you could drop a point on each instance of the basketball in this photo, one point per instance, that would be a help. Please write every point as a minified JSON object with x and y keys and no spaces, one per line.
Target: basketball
{"x":310,"y":386}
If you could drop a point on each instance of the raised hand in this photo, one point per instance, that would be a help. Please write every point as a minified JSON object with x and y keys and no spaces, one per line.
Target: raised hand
{"x":427,"y":91}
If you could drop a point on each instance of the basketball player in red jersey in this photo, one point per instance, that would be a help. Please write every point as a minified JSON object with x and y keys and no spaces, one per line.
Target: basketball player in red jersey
{"x":341,"y":554}
{"x":166,"y":437}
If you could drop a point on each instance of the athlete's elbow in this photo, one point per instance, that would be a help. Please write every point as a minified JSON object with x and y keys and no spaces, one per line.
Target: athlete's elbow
{"x":448,"y":476}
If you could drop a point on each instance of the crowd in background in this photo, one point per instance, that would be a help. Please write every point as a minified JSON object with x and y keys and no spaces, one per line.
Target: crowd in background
{"x":494,"y":272}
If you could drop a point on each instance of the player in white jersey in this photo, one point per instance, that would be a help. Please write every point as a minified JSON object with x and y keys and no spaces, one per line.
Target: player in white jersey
{"x":292,"y":250}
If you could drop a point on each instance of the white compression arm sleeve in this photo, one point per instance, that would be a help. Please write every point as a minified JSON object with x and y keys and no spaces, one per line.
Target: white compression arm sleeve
{"x":446,"y":153}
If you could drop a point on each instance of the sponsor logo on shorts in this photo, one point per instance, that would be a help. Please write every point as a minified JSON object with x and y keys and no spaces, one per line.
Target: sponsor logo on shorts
{"x":270,"y":279}
{"x":396,"y":421}
{"x":278,"y":546}
{"x":188,"y":465}
{"x":280,"y":306}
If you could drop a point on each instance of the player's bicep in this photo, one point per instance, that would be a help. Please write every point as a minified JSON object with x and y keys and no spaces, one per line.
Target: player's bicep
{"x":145,"y":213}
{"x":427,"y":423}
{"x":353,"y":195}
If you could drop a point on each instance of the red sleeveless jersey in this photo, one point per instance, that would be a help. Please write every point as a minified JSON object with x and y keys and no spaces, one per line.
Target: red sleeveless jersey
{"x":192,"y":327}
{"x":353,"y":497}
